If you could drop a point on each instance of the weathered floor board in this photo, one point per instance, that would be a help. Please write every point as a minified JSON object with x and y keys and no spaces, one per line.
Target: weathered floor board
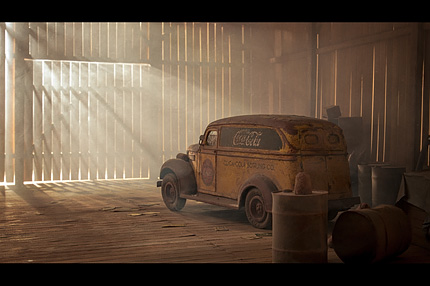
{"x":127,"y":222}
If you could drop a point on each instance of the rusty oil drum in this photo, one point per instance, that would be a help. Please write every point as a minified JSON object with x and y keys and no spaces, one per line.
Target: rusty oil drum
{"x":371,"y":235}
{"x":299,"y":227}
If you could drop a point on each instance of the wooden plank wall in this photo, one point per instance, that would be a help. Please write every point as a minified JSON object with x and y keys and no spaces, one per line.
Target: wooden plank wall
{"x":282,"y":68}
{"x":91,"y":115}
{"x":205,"y":76}
{"x":90,"y":120}
{"x":377,"y":71}
{"x":372,"y":70}
{"x":115,"y":100}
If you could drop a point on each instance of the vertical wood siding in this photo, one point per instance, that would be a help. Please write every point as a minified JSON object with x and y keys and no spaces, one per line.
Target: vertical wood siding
{"x":203,"y":78}
{"x":91,"y":122}
{"x":115,"y":100}
{"x":372,"y":71}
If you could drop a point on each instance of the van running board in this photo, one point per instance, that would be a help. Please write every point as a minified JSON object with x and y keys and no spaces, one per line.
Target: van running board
{"x":211,"y":199}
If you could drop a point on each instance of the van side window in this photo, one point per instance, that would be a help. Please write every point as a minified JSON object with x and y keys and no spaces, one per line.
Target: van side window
{"x":212,"y":138}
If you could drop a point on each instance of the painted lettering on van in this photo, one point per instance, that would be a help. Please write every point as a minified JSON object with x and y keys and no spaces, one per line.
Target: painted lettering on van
{"x":246,"y":137}
{"x":248,"y":165}
{"x":250,"y":138}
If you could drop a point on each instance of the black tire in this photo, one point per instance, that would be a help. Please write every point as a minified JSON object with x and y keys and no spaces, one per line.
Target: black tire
{"x":256,"y":211}
{"x":170,"y":193}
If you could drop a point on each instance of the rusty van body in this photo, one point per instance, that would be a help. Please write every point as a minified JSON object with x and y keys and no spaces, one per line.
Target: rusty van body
{"x":240,"y":161}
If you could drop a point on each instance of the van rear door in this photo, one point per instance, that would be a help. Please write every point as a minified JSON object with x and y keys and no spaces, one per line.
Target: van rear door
{"x":324,"y":158}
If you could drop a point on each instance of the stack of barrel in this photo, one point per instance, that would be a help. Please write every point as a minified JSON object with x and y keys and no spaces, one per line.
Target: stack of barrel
{"x":379,"y":183}
{"x":377,"y":230}
{"x":361,"y":235}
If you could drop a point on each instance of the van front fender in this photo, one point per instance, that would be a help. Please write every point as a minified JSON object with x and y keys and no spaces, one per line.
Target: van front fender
{"x":264,"y":184}
{"x":184,"y":173}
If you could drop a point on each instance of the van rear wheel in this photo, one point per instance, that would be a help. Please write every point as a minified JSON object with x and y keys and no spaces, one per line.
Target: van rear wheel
{"x":256,"y":211}
{"x":170,"y":193}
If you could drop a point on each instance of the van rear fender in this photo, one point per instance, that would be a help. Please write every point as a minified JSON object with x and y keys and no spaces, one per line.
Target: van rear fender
{"x":264,"y":184}
{"x":184,"y":173}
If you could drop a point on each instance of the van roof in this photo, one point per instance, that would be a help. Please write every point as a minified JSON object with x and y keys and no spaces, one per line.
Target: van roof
{"x":286,"y":122}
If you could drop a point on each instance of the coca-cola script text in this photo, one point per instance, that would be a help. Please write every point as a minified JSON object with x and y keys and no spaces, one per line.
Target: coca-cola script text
{"x":246,"y":137}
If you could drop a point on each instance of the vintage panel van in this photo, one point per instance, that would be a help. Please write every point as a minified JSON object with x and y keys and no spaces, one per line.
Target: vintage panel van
{"x":240,"y":161}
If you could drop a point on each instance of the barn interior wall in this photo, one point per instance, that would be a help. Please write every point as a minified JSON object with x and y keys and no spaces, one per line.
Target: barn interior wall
{"x":114,"y":100}
{"x":375,"y":71}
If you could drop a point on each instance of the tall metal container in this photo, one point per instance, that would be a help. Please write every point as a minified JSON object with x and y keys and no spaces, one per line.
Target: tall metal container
{"x":365,"y":181}
{"x":372,"y":234}
{"x":299,"y":227}
{"x":385,"y":184}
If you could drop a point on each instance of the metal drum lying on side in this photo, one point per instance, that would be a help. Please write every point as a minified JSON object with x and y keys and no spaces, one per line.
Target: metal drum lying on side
{"x":372,"y":234}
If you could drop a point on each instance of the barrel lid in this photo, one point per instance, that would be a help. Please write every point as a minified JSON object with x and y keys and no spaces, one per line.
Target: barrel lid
{"x":290,"y":202}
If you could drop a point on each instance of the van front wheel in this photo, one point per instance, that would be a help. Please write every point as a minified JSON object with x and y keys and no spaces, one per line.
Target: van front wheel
{"x":170,"y":193}
{"x":256,"y":211}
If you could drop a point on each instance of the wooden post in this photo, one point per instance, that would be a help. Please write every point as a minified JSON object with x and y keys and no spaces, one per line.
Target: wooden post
{"x":155,"y":59}
{"x":9,"y":104}
{"x":2,"y":103}
{"x":22,"y":97}
{"x":418,"y":35}
{"x":313,"y":73}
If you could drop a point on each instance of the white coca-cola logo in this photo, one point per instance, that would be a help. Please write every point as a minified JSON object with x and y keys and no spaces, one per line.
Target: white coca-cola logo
{"x":246,"y":137}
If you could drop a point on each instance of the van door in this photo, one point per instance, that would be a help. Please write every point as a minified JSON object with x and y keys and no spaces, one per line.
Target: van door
{"x":207,"y":162}
{"x":314,"y":157}
{"x":324,"y":159}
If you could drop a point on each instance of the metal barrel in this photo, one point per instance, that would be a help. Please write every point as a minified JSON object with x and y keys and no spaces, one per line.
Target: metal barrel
{"x":299,"y":227}
{"x":385,"y":184}
{"x":371,"y":235}
{"x":365,"y":181}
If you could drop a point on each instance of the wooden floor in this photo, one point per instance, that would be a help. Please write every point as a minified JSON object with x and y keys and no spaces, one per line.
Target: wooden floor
{"x":127,"y":222}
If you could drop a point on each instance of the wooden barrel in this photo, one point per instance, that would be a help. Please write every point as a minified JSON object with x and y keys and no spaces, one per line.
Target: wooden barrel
{"x":299,"y":227}
{"x":372,"y":234}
